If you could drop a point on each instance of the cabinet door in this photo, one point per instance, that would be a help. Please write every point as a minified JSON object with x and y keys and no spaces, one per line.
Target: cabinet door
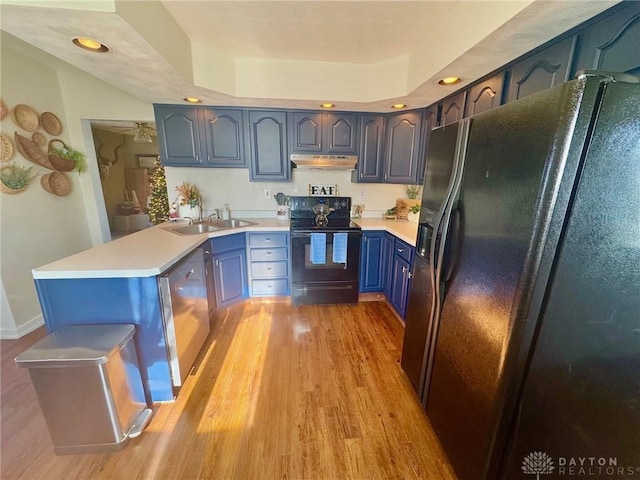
{"x":430,"y":120}
{"x":371,"y":265}
{"x":401,"y":147}
{"x":545,"y":69}
{"x":178,"y":135}
{"x":484,"y":96}
{"x":612,"y":44}
{"x":224,"y":137}
{"x":306,"y":132}
{"x":268,"y":140}
{"x":342,"y":133}
{"x":452,"y":109}
{"x":230,"y":276}
{"x":399,"y":283}
{"x":388,"y":242}
{"x":370,"y":160}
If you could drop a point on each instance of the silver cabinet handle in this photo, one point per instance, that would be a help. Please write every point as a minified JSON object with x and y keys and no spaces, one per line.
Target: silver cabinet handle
{"x":267,"y":240}
{"x":400,"y":250}
{"x":409,"y":275}
{"x":268,"y":254}
{"x":189,"y":273}
{"x":269,"y":269}
{"x":404,"y":269}
{"x":217,"y":262}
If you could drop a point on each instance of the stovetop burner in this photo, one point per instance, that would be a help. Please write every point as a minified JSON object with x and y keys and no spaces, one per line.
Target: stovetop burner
{"x":303,"y":216}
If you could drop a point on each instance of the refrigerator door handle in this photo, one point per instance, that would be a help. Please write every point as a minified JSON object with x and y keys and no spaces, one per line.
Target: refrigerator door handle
{"x":452,"y":251}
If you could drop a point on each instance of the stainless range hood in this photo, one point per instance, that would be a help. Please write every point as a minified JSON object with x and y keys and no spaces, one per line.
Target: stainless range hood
{"x":324,"y":162}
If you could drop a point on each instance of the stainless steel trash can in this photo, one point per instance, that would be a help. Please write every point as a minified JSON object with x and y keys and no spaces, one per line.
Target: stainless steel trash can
{"x":88,"y":384}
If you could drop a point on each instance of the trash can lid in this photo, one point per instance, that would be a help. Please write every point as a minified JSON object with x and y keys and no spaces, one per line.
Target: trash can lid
{"x":76,"y":345}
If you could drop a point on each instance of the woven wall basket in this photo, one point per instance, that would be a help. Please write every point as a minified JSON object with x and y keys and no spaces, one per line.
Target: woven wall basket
{"x":6,"y":148}
{"x":51,"y":123}
{"x":25,"y":117}
{"x":29,"y":150}
{"x":57,"y":183}
{"x":59,"y":163}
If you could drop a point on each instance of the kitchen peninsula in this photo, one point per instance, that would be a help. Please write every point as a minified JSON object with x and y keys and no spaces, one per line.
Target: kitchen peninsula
{"x":117,"y":283}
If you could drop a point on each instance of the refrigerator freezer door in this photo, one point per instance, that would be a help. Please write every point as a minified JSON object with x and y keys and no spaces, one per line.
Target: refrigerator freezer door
{"x":581,"y":394}
{"x":499,"y":199}
{"x":418,"y":324}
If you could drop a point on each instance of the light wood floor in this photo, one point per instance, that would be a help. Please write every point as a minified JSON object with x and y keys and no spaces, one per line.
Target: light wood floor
{"x":282,"y":392}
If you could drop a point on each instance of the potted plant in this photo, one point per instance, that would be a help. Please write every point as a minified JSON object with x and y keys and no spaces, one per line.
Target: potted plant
{"x":189,"y":201}
{"x":15,"y":178}
{"x":414,"y":214}
{"x":65,"y":158}
{"x":412,"y":191}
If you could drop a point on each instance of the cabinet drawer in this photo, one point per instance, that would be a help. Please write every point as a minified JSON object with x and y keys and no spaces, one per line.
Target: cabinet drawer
{"x":268,"y":239}
{"x":269,"y":269}
{"x":227,"y":242}
{"x":268,"y":254}
{"x":403,"y":250}
{"x":268,"y":288}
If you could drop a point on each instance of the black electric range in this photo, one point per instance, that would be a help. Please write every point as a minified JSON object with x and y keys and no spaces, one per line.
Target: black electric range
{"x":325,"y":252}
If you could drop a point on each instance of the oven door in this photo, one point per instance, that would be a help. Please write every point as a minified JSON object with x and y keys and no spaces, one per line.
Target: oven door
{"x":323,"y":268}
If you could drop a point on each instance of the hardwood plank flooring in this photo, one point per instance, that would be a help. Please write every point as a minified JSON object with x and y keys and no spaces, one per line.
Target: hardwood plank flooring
{"x":282,"y":392}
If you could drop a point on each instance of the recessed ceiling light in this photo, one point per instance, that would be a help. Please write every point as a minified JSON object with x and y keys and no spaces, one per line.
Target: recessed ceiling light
{"x":192,"y":100}
{"x":327,"y":105}
{"x":90,"y":44}
{"x":399,"y":105}
{"x":450,"y":81}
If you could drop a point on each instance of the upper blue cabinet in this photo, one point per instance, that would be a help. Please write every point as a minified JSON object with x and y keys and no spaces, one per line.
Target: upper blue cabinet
{"x":200,"y":136}
{"x":268,"y":142}
{"x":612,"y":44}
{"x":484,"y":96}
{"x":452,"y":109}
{"x":370,"y":160}
{"x":402,"y":145}
{"x":545,"y":69}
{"x":324,"y":133}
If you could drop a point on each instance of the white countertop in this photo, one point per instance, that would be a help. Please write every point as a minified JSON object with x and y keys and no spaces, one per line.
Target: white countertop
{"x":152,"y":251}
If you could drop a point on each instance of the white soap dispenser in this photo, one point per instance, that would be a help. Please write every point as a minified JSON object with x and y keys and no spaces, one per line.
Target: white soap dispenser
{"x":226,"y":214}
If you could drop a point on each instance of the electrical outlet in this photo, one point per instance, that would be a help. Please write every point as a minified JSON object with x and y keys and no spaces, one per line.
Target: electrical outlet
{"x":267,"y":193}
{"x":362,"y":194}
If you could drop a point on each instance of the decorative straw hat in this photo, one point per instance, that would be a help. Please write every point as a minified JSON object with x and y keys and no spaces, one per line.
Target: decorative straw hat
{"x":57,"y":183}
{"x":25,"y":117}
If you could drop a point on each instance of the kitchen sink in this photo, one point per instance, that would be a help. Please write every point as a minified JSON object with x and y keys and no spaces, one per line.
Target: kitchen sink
{"x":232,"y":223}
{"x":195,"y":229}
{"x":205,"y":227}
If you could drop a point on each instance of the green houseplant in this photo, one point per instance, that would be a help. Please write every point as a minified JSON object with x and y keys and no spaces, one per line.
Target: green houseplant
{"x":68,"y":153}
{"x":15,"y":178}
{"x":412,"y":191}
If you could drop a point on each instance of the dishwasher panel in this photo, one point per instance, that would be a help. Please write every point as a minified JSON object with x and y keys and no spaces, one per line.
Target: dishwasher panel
{"x":183,"y":291}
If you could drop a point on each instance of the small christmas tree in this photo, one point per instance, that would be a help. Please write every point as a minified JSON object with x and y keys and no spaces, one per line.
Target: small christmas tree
{"x":159,"y":201}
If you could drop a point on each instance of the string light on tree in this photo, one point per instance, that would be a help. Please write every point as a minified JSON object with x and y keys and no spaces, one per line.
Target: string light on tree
{"x":159,"y":201}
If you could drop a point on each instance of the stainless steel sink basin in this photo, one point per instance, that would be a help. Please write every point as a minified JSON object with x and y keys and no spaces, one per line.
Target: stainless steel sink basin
{"x":232,"y":223}
{"x":195,"y":229}
{"x":204,"y":227}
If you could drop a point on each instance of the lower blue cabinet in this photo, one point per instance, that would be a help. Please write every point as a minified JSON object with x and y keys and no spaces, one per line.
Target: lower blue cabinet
{"x":229,"y":269}
{"x":401,"y":275}
{"x":372,"y":276}
{"x":269,"y":264}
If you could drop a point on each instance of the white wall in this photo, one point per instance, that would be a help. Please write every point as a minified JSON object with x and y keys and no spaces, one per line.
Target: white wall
{"x":37,"y":227}
{"x":231,"y":185}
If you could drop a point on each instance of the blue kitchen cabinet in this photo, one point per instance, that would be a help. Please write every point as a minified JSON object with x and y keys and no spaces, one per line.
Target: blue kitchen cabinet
{"x":372,"y":273}
{"x":402,"y":147}
{"x":401,"y":276}
{"x":178,"y":135}
{"x":268,"y":144}
{"x":485,"y":95}
{"x":370,"y":167}
{"x":200,"y":136}
{"x":136,"y":301}
{"x":388,"y":243}
{"x":269,"y":264}
{"x":429,"y":121}
{"x":542,"y":70}
{"x":315,"y":132}
{"x":224,"y":137}
{"x":229,"y":259}
{"x":452,"y":109}
{"x":612,"y":44}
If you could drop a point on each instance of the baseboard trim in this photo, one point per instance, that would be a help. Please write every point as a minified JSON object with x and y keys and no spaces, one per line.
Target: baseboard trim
{"x":22,"y":330}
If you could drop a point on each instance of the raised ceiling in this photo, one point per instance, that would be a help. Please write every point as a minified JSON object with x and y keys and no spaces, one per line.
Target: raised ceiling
{"x":361,"y":55}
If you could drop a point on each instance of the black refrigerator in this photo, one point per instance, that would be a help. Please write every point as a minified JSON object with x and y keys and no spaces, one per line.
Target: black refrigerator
{"x":528,"y":359}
